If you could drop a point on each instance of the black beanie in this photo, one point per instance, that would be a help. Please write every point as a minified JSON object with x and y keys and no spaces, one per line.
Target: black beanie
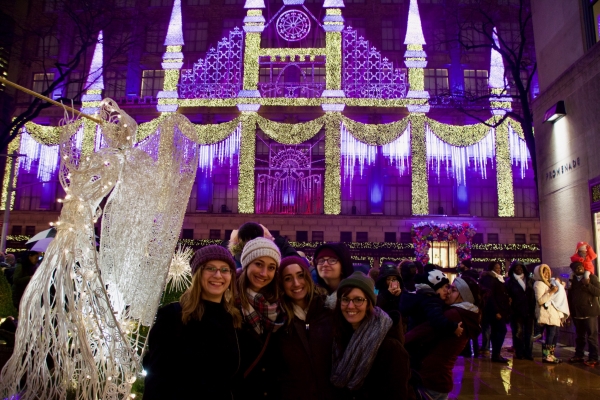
{"x":432,"y":277}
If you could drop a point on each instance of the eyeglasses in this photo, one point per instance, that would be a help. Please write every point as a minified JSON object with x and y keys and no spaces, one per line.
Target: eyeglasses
{"x":358,"y":301}
{"x":329,"y":261}
{"x":213,"y":270}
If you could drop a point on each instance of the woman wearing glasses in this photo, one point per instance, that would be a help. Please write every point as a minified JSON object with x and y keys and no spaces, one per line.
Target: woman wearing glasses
{"x":369,"y":359}
{"x":304,"y":343}
{"x":262,"y":316}
{"x":333,"y":263}
{"x":201,"y":326}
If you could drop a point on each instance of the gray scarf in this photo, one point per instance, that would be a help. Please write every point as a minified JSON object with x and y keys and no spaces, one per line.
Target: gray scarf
{"x":350,"y":367}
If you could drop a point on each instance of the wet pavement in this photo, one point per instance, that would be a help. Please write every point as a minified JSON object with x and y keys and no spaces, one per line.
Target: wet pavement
{"x":479,"y":378}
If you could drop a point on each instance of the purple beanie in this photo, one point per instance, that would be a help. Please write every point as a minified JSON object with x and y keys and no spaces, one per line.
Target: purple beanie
{"x":211,"y":253}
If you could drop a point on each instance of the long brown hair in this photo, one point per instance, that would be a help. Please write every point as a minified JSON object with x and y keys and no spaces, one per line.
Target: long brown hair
{"x":286,"y":303}
{"x":271,"y":291}
{"x":192,"y":304}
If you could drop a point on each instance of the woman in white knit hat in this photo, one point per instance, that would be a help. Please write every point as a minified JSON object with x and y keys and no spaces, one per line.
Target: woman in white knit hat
{"x":262,"y":316}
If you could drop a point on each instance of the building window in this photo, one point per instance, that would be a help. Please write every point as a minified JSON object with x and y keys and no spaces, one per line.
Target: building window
{"x":198,"y":3}
{"x":195,"y":35}
{"x":520,"y":238}
{"x":318,"y":236}
{"x":405,"y":237}
{"x":389,"y":237}
{"x":30,"y":230}
{"x":535,"y":238}
{"x":214,"y":234}
{"x":362,"y":236}
{"x":161,"y":3}
{"x":359,"y":25}
{"x":473,"y":37}
{"x":478,"y":238}
{"x":301,"y":236}
{"x":493,"y":238}
{"x":510,"y":33}
{"x":345,"y":236}
{"x":48,"y":46}
{"x":436,"y":81}
{"x":187,"y":234}
{"x":439,"y":39}
{"x":229,"y":24}
{"x":114,"y":84}
{"x":152,"y":82}
{"x":476,"y":82}
{"x":74,"y":86}
{"x":228,"y":233}
{"x":41,"y":82}
{"x":390,"y":35}
{"x":16,"y":230}
{"x":155,"y":38}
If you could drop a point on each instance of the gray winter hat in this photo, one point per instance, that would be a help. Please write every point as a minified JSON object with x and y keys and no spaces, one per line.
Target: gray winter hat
{"x":463,"y":289}
{"x":260,"y":247}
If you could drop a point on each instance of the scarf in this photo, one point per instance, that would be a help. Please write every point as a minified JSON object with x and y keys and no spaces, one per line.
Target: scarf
{"x":499,"y":277}
{"x":261,"y":314}
{"x":465,"y":305}
{"x":520,"y":279}
{"x":299,"y":312}
{"x":351,"y":366}
{"x":331,"y":300}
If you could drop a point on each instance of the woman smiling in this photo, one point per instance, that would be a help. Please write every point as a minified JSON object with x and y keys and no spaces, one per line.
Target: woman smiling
{"x":304,"y":344}
{"x":369,"y":359}
{"x":201,"y":326}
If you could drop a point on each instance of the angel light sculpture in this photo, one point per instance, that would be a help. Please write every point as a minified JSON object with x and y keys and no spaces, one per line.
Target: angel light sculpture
{"x":80,"y":316}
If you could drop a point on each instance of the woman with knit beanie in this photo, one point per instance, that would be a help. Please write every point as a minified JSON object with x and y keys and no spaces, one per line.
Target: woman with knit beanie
{"x":201,"y":326}
{"x":304,"y":343}
{"x":369,"y":359}
{"x":262,"y":316}
{"x":333,"y":263}
{"x":441,"y":352}
{"x":547,"y":310}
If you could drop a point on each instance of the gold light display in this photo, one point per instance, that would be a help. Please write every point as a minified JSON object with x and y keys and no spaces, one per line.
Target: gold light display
{"x":290,"y":133}
{"x":418,"y":146}
{"x":246,"y":163}
{"x":376,"y":134}
{"x":333,"y":175}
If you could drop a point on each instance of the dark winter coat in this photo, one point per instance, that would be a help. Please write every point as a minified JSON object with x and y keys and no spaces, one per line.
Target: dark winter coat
{"x":495,"y":297}
{"x":425,"y":305}
{"x":386,"y":300}
{"x":303,"y":351}
{"x":408,"y":278}
{"x":390,"y":373}
{"x":523,"y":301}
{"x":583,"y":299}
{"x":343,"y":254}
{"x":261,"y":382}
{"x":198,"y":360}
{"x":440,"y":354}
{"x":471,"y":273}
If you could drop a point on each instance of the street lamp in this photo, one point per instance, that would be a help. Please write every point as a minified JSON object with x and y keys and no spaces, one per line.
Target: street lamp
{"x":9,"y":190}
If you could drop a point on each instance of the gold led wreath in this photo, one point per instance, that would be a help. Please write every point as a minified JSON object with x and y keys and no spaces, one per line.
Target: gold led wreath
{"x":290,"y":133}
{"x":376,"y":134}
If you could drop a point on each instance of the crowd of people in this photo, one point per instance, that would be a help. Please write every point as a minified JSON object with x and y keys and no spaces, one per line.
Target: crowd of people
{"x":262,"y":321}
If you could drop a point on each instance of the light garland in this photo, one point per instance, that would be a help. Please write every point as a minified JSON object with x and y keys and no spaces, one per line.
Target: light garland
{"x":47,"y":135}
{"x":506,"y":194}
{"x":247,"y":156}
{"x":201,"y":134}
{"x":419,"y":184}
{"x":505,"y":247}
{"x":292,"y":53}
{"x":425,"y":232}
{"x":290,"y":133}
{"x":333,"y":67}
{"x":376,"y":134}
{"x":251,"y":67}
{"x":89,"y":137}
{"x":13,"y":147}
{"x":333,"y":177}
{"x":465,"y":135}
{"x":295,"y":102}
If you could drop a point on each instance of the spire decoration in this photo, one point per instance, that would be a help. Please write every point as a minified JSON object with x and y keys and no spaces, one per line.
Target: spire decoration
{"x":172,"y":61}
{"x":95,"y":80}
{"x":175,"y":30}
{"x":414,"y":30}
{"x":415,"y":59}
{"x":500,"y":102}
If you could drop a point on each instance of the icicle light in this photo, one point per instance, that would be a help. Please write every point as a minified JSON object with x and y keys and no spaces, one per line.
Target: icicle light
{"x":518,"y":151}
{"x":47,"y":157}
{"x":458,"y":158}
{"x":221,"y":152}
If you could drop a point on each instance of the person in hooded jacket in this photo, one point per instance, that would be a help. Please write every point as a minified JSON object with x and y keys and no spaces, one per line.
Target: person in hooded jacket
{"x":198,"y":331}
{"x":304,"y":342}
{"x":496,"y":311}
{"x":389,"y":286}
{"x":438,"y":355}
{"x":408,"y":271}
{"x":519,"y":287}
{"x":333,"y":263}
{"x":369,"y":360}
{"x":585,"y":255}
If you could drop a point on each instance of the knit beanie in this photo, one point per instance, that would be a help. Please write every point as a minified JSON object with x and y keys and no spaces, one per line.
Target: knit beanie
{"x":326,"y":252}
{"x":294,"y":260}
{"x":211,"y":253}
{"x":434,"y":278}
{"x":361,"y":281}
{"x":260,"y":247}
{"x":464,"y":290}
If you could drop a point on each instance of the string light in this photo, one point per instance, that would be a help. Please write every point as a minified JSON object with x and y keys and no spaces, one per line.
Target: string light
{"x":290,"y":133}
{"x":506,"y":197}
{"x":419,"y":184}
{"x":251,"y":56}
{"x":246,"y":163}
{"x":333,"y":177}
{"x":376,"y":134}
{"x":333,"y":67}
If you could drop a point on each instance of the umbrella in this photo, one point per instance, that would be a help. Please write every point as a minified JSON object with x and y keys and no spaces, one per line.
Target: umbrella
{"x":41,"y":240}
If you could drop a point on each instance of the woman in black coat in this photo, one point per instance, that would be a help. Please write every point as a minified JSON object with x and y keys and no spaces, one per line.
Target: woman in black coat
{"x":369,"y":359}
{"x":389,"y":284}
{"x":193,"y":349}
{"x":520,"y":290}
{"x":304,"y":344}
{"x":496,"y":311}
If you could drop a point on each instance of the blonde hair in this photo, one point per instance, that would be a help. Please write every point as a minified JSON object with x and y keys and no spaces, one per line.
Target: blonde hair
{"x":286,"y":302}
{"x":270,"y":291}
{"x":192,"y":304}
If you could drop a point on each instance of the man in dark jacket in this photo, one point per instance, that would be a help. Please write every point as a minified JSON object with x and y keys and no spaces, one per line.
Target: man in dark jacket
{"x":466,"y":270}
{"x":519,"y":287}
{"x":583,"y":303}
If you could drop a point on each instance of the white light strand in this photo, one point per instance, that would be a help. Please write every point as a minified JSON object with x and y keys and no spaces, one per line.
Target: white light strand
{"x":222,"y":151}
{"x":175,"y":30}
{"x":95,"y":80}
{"x":414,"y":30}
{"x":458,"y":158}
{"x":398,"y":152}
{"x":30,"y":148}
{"x":497,"y":80}
{"x":519,"y":153}
{"x":352,"y":150}
{"x":46,"y":156}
